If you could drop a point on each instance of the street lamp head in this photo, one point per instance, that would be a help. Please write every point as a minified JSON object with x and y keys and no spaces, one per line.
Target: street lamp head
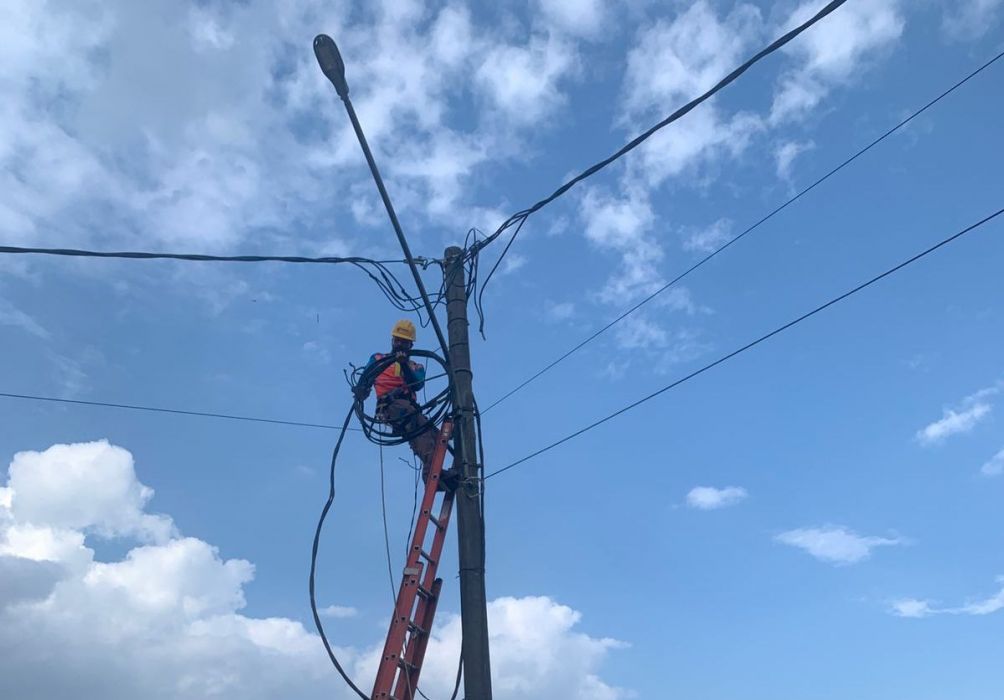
{"x":331,"y":63}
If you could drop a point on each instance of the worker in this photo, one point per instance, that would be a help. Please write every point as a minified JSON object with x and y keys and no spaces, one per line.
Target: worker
{"x":396,"y":390}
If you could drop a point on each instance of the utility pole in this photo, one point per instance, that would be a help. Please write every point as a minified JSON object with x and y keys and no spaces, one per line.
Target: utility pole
{"x":470,"y":524}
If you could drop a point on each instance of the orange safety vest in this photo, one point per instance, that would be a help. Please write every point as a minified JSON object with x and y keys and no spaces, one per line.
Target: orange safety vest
{"x":391,"y":378}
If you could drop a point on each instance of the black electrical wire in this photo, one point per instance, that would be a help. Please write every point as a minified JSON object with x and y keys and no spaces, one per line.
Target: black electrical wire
{"x":752,"y":344}
{"x":520,"y":217}
{"x":175,"y":411}
{"x":375,"y":429}
{"x":749,"y":229}
{"x":377,"y":271}
{"x":386,"y":529}
{"x":192,"y":257}
{"x":313,"y":559}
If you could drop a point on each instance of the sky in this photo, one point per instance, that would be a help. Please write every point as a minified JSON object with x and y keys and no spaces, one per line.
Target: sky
{"x":817,"y":519}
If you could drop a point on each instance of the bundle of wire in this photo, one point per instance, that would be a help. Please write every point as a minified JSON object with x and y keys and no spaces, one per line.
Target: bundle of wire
{"x":376,"y":430}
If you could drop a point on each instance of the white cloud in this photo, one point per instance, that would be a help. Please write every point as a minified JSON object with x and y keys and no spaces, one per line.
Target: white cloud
{"x":707,"y":239}
{"x":911,"y":607}
{"x":536,"y":653}
{"x":667,"y":347}
{"x":87,"y":486}
{"x":675,"y":61}
{"x":786,"y":153}
{"x":995,"y":465}
{"x":164,"y":621}
{"x":12,"y":316}
{"x":953,"y":423}
{"x":956,"y":421}
{"x":967,"y":20}
{"x":833,"y":52}
{"x":240,"y":127}
{"x":339,"y":612}
{"x":622,"y":225}
{"x":692,"y":52}
{"x":522,"y":82}
{"x":512,"y":263}
{"x":835,"y":545}
{"x":711,"y":498}
{"x":559,"y":311}
{"x":576,"y":17}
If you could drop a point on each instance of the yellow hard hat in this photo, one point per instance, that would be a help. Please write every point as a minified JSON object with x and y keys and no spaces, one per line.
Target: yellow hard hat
{"x":404,"y":329}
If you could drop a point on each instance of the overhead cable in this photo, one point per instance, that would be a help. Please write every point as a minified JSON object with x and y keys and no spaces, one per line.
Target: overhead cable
{"x":751,"y":344}
{"x":176,"y":411}
{"x":520,"y":217}
{"x":746,"y":231}
{"x":194,"y":257}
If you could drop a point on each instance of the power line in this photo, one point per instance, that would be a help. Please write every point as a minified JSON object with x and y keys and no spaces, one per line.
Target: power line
{"x":376,"y":270}
{"x":196,"y":257}
{"x":752,"y":344}
{"x":520,"y":217}
{"x":176,"y":411}
{"x":751,"y":228}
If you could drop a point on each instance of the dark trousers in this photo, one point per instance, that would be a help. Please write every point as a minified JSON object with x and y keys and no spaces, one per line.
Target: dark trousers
{"x":404,"y":417}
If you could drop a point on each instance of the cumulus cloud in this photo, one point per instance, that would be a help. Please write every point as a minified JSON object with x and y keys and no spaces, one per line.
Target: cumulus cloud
{"x":959,"y":420}
{"x":966,"y":20}
{"x":90,"y":486}
{"x":622,"y":225}
{"x":709,"y":238}
{"x":912,"y":607}
{"x":338,"y":611}
{"x":675,"y":61}
{"x":576,"y":17}
{"x":164,"y":621}
{"x":833,"y":53}
{"x":523,"y":81}
{"x":536,"y":652}
{"x":835,"y":545}
{"x":786,"y":154}
{"x":10,"y":315}
{"x":994,"y":466}
{"x":559,"y":311}
{"x":239,"y":128}
{"x":711,"y":498}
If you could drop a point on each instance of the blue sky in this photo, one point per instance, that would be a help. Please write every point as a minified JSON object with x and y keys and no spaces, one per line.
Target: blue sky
{"x":818,"y":518}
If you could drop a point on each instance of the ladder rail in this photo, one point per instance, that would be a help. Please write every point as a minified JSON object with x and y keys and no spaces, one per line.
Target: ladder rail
{"x":426,"y":610}
{"x":416,"y":576}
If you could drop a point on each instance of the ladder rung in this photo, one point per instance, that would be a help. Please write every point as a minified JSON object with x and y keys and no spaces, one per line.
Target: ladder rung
{"x":435,"y":521}
{"x":415,"y":629}
{"x":428,"y":557}
{"x":407,"y":665}
{"x":425,"y":593}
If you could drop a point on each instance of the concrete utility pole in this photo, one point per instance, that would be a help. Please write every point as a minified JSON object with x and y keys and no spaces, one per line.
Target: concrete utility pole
{"x":470,"y":525}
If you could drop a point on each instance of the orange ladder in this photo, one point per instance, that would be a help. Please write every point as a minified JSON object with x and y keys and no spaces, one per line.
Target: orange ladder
{"x":415,"y":609}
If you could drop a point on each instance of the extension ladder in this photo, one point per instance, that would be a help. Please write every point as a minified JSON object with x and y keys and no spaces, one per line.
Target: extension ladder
{"x":411,"y":624}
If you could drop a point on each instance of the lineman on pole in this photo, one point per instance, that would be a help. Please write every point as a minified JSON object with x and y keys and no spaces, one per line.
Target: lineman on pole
{"x":397,"y":388}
